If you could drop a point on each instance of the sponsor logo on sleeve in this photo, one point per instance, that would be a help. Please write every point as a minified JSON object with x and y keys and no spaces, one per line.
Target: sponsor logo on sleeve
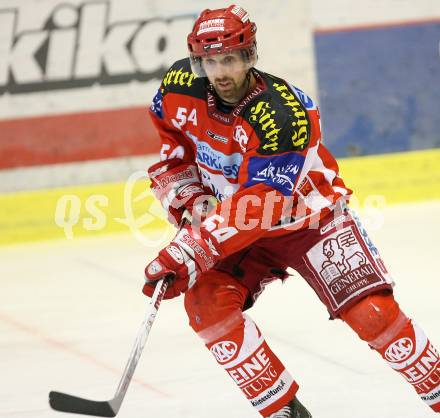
{"x":281,"y":129}
{"x":263,"y":116}
{"x":300,"y":125}
{"x":156,"y":104}
{"x":305,"y":100}
{"x":188,"y":174}
{"x":279,"y":172}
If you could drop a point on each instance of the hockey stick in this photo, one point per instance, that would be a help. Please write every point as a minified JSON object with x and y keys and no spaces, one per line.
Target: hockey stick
{"x":73,"y":404}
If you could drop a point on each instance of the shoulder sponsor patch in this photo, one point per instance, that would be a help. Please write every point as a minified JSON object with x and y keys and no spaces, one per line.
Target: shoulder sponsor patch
{"x":156,"y":104}
{"x":180,"y":77}
{"x":298,"y":119}
{"x":280,"y":172}
{"x":305,"y":100}
{"x":263,"y":118}
{"x":181,"y":80}
{"x":280,"y":121}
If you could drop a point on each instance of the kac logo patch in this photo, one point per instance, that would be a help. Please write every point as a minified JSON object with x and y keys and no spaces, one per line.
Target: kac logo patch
{"x":399,"y":351}
{"x":241,"y":137}
{"x":224,"y":351}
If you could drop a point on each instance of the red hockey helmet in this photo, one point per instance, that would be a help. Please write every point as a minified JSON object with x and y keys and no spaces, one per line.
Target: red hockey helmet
{"x":222,"y":30}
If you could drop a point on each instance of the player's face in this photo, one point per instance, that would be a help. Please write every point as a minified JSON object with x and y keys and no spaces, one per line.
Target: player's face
{"x":227,"y":73}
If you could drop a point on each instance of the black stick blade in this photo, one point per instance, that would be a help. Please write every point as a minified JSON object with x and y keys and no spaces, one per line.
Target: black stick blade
{"x":68,"y":403}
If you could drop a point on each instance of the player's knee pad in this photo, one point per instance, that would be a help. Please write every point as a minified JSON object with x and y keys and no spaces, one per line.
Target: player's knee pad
{"x":401,"y":343}
{"x":374,"y":316}
{"x":214,"y":304}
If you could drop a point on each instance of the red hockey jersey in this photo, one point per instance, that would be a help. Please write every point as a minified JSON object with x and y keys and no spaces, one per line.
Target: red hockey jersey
{"x":263,"y":159}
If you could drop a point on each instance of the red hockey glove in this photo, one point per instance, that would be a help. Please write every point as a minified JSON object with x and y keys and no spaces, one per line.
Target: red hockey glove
{"x":183,"y":260}
{"x":178,"y":187}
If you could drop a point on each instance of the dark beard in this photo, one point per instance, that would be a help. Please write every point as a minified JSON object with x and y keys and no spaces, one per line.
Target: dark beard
{"x":245,"y":90}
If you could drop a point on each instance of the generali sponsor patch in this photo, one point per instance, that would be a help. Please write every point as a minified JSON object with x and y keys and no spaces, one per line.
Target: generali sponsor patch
{"x":343,"y":266}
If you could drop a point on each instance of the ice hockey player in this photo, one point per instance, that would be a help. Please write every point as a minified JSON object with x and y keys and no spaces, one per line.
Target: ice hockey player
{"x":253,"y":142}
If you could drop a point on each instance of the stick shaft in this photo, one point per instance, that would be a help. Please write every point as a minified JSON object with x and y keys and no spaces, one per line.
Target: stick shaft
{"x":141,"y":338}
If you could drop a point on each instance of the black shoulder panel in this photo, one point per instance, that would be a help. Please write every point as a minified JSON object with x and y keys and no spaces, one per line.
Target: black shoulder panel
{"x":180,"y":79}
{"x":279,"y":118}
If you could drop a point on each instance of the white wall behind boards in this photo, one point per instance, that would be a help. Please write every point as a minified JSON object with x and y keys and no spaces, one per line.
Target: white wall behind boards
{"x":339,"y":13}
{"x":60,"y":56}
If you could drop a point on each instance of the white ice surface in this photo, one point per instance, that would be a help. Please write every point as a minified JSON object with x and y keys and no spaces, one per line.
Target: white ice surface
{"x":69,"y":311}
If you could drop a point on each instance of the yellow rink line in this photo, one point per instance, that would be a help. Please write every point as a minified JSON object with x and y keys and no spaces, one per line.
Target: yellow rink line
{"x":129,"y":206}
